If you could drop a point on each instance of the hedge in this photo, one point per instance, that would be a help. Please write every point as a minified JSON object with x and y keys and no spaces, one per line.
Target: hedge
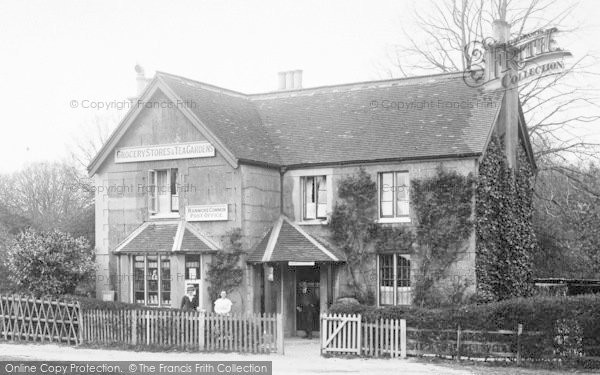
{"x":576,"y":317}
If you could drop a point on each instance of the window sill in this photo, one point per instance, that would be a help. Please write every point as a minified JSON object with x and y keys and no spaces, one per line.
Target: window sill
{"x":313,"y":222}
{"x":173,"y":215}
{"x":393,"y":220}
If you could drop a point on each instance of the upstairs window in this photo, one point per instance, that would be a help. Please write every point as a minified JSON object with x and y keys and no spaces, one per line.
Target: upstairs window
{"x":394,"y":195}
{"x":163,"y":194}
{"x":314,"y":196}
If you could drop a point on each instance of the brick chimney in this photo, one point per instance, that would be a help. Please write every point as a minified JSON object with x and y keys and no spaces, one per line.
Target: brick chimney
{"x":290,"y":80}
{"x":140,"y":79}
{"x":499,"y":69}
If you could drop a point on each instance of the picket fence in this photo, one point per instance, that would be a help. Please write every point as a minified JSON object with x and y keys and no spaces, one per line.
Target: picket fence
{"x":349,"y":334}
{"x":187,"y":330}
{"x":45,"y":320}
{"x":39,"y":319}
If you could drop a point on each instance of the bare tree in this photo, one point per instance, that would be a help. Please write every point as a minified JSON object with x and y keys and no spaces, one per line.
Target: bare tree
{"x":551,"y":105}
{"x":92,"y":135}
{"x":50,"y":196}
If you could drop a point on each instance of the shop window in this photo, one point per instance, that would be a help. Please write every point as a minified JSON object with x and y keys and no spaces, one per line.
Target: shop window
{"x":152,"y":280}
{"x":394,"y":195}
{"x":314,"y":194}
{"x":394,"y":279}
{"x":163,"y":191}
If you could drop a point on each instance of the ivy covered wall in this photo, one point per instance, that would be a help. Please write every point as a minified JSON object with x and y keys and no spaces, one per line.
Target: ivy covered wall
{"x":504,"y":229}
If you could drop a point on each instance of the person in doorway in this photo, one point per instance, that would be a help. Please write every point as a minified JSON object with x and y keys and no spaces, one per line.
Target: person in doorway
{"x":223,"y":304}
{"x":189,"y":302}
{"x":306,"y":307}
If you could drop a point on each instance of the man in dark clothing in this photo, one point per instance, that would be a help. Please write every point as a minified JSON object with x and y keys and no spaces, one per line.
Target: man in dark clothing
{"x":307,"y":309}
{"x":189,"y":302}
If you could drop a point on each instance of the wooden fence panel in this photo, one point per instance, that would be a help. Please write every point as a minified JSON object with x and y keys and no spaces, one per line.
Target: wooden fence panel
{"x":184,"y":330}
{"x":349,"y":334}
{"x":39,"y":319}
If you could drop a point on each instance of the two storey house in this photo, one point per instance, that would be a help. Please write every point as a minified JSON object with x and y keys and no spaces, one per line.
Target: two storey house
{"x":193,"y":161}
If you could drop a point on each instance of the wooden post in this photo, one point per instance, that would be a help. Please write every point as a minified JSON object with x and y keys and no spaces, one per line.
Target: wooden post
{"x":134,"y":327}
{"x":201,"y":329}
{"x":280,"y":349}
{"x":458,"y":343}
{"x":519,"y":332}
{"x":148,"y":327}
{"x":359,"y":333}
{"x":403,"y":338}
{"x":80,"y":325}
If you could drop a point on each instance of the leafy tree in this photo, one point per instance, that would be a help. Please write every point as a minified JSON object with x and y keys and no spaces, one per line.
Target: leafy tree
{"x":49,"y":263}
{"x":352,"y":226}
{"x":225,"y":272}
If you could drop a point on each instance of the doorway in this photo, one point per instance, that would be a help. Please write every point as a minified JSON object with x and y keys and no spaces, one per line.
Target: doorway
{"x":307,"y":289}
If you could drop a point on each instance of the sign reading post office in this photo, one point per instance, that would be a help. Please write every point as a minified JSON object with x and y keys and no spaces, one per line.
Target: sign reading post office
{"x":164,"y":152}
{"x":211,"y":212}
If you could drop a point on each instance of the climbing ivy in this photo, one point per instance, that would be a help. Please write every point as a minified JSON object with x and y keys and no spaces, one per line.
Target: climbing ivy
{"x":442,"y":206}
{"x":225,"y":272}
{"x":352,"y":225}
{"x":504,"y":230}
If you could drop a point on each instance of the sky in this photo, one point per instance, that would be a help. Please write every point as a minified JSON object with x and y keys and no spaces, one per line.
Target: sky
{"x":55,"y":53}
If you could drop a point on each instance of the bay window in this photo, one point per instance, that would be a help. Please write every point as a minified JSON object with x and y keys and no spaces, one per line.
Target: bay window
{"x":152,"y":280}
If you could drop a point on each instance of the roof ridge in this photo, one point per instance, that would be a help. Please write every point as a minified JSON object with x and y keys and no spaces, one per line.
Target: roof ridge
{"x":376,"y":83}
{"x":206,"y":85}
{"x":252,"y":96}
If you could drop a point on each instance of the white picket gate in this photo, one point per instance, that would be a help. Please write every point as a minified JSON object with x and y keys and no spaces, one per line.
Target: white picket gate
{"x":349,"y":334}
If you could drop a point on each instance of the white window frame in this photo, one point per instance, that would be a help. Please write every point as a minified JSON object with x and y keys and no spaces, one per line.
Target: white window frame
{"x":145,"y":280}
{"x":199,"y":280}
{"x":153,"y":200}
{"x":303,"y":182}
{"x":406,"y":291}
{"x":395,"y":218}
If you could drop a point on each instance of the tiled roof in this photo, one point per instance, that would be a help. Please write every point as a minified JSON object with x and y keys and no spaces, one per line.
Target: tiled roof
{"x":165,"y":237}
{"x":152,"y":238}
{"x":421,"y":117}
{"x":287,"y":242}
{"x":232,"y":117}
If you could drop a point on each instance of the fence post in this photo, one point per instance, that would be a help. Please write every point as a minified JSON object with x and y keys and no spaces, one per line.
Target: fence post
{"x":403,"y":338}
{"x":148,"y":327}
{"x":201,"y":330}
{"x":280,"y":334}
{"x":519,"y":332}
{"x":359,"y":334}
{"x":133,"y":314}
{"x":80,"y":325}
{"x":458,"y":343}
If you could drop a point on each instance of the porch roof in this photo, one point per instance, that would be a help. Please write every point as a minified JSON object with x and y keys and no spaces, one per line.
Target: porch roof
{"x":165,"y":236}
{"x":288,"y":242}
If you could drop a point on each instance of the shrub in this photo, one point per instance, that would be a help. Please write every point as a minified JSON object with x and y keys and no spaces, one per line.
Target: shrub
{"x":49,"y":263}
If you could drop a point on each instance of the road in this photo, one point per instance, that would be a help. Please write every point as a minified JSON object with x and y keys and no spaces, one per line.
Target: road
{"x":301,"y":357}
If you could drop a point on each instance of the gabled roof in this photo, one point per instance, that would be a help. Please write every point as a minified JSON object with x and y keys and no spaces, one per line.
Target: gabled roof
{"x":288,"y":242}
{"x":165,"y":236}
{"x":412,"y":118}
